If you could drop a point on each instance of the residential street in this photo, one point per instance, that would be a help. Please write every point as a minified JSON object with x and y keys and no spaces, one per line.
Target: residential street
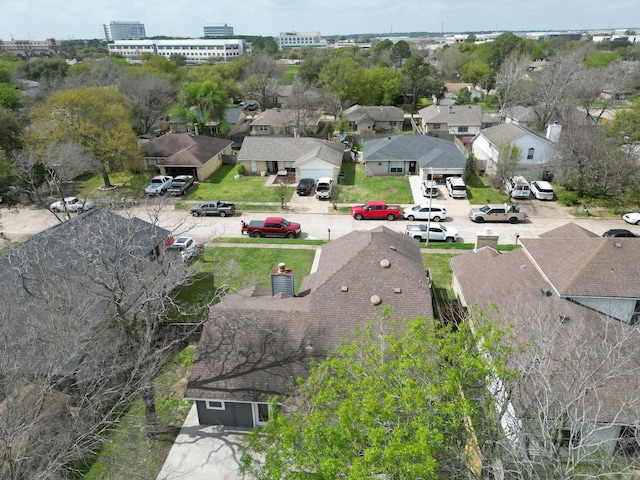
{"x":543,"y":216}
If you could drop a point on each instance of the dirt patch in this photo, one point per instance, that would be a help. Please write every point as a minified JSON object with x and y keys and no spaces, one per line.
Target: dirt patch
{"x":391,"y":190}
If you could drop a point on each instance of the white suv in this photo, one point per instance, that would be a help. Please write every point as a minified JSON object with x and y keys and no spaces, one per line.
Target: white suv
{"x":456,"y":187}
{"x":421,"y":212}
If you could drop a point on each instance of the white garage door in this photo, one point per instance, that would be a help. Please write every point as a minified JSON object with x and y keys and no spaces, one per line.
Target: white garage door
{"x":315,"y":173}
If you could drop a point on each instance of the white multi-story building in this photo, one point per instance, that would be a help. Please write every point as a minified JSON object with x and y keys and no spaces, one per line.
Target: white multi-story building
{"x":301,"y":39}
{"x":194,"y":50}
{"x":123,"y":31}
{"x":218,"y":30}
{"x":29,"y":47}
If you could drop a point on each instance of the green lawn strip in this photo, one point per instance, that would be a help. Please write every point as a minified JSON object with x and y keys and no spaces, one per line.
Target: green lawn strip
{"x":356,"y":188}
{"x":269,"y":241}
{"x":480,"y":192}
{"x":129,"y":186}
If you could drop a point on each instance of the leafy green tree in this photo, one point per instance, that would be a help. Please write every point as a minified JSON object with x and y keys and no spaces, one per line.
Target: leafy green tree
{"x":200,"y":103}
{"x":601,"y":59}
{"x":379,"y":87}
{"x":342,"y":76}
{"x":382,"y":50}
{"x":10,"y":131}
{"x":8,"y":181}
{"x":419,"y":80}
{"x":508,"y":160}
{"x":309,"y":71}
{"x":389,"y":405}
{"x":504,"y":45}
{"x":463,"y":97}
{"x":626,"y":124}
{"x":38,"y":69}
{"x":400,"y":52}
{"x":478,"y":73}
{"x":95,"y":118}
{"x":7,"y":65}
{"x":9,"y":97}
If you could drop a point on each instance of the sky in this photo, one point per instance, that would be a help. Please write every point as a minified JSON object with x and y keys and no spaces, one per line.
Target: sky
{"x":83,"y":19}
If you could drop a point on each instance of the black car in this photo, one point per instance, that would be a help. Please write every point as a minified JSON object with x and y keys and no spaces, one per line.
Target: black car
{"x":305,"y":186}
{"x":618,"y":232}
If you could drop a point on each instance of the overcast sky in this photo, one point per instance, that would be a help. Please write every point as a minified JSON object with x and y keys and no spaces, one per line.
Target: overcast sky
{"x":82,"y":19}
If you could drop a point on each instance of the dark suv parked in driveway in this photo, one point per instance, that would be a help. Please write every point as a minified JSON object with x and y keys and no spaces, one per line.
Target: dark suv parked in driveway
{"x":305,"y":186}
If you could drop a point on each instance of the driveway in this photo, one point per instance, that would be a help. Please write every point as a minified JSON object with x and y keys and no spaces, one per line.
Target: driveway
{"x":203,"y":453}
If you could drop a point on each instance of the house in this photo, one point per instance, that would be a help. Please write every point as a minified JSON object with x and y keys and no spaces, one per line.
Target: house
{"x":305,"y":157}
{"x":573,"y":300}
{"x":186,"y":154}
{"x":370,"y":119}
{"x":462,"y":121}
{"x":414,"y":154}
{"x":59,"y":284}
{"x":453,"y":89}
{"x":537,"y":151}
{"x":523,"y":116}
{"x":257,"y":342}
{"x":285,"y":122}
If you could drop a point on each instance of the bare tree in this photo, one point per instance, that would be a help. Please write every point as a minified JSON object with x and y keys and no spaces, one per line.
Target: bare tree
{"x":508,"y":160}
{"x":509,"y":78}
{"x":591,"y":83}
{"x":305,"y":101}
{"x":263,"y":80}
{"x":149,"y":96}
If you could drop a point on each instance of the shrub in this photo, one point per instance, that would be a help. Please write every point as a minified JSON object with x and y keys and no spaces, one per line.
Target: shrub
{"x":568,"y":199}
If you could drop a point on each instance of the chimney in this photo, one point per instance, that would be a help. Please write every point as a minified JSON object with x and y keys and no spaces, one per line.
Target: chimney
{"x":553,"y":132}
{"x":487,"y":239}
{"x":282,"y":281}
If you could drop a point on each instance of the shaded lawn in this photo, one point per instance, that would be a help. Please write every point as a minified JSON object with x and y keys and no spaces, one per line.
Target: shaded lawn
{"x":223,"y":185}
{"x":360,"y":189}
{"x":480,"y":192}
{"x":129,"y":185}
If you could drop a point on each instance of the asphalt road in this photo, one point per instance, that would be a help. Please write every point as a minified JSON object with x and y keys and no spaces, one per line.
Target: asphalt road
{"x":318,"y":222}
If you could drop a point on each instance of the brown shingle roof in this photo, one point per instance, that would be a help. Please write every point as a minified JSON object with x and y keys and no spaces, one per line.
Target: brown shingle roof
{"x":178,"y":149}
{"x":252,"y":345}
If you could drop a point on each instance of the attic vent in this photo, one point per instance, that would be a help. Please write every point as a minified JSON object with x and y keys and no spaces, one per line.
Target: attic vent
{"x":282,"y":280}
{"x":384,"y":263}
{"x":375,"y":300}
{"x":344,"y":288}
{"x":546,"y":292}
{"x":397,"y":290}
{"x":393,"y":247}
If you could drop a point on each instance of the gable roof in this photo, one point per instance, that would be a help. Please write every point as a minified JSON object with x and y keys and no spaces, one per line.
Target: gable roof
{"x":428,"y":151}
{"x":253,"y":344}
{"x":184,"y":149}
{"x":357,"y":113}
{"x":457,"y":115}
{"x":290,"y":149}
{"x":506,"y":133}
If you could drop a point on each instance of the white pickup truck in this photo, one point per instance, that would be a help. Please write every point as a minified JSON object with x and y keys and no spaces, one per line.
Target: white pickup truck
{"x":433,"y":232}
{"x":158,"y":185}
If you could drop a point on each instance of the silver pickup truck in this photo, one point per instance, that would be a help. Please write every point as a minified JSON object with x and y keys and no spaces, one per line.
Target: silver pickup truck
{"x":500,"y":212}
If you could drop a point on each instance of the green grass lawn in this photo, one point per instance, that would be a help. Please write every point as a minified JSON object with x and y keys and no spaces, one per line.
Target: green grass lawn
{"x":223,"y":185}
{"x":356,"y":188}
{"x":480,"y":193}
{"x":129,"y":186}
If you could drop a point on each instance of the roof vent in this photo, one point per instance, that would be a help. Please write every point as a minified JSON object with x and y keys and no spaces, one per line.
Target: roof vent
{"x":393,"y":247}
{"x":397,"y":290}
{"x":384,"y":263}
{"x":375,"y":300}
{"x":617,"y":245}
{"x":564,"y":318}
{"x":546,"y":292}
{"x":344,"y":288}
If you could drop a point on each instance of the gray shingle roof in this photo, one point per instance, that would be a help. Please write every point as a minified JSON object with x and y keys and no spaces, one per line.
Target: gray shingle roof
{"x":457,"y":115}
{"x":357,"y":113}
{"x":285,"y":117}
{"x":428,"y":151}
{"x":505,"y":133}
{"x":252,"y":345}
{"x":290,"y":149}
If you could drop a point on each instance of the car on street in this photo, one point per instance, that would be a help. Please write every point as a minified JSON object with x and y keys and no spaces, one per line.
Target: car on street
{"x":542,"y":190}
{"x":433,"y":231}
{"x":421,"y":212}
{"x":71,"y":205}
{"x":213,"y":207}
{"x":632,"y":218}
{"x":305,"y":186}
{"x":187,"y":246}
{"x":619,"y":232}
{"x":249,"y":105}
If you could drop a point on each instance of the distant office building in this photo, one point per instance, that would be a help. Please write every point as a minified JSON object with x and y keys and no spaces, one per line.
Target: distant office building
{"x":123,"y":31}
{"x":195,"y":51}
{"x":30,"y":48}
{"x":301,"y":39}
{"x":218,"y":30}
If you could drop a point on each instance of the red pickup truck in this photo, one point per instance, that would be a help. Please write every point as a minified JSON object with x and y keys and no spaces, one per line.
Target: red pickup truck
{"x":271,"y":227}
{"x":378,"y":210}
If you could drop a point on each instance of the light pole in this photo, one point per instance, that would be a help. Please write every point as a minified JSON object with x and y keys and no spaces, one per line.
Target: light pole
{"x":430,"y":200}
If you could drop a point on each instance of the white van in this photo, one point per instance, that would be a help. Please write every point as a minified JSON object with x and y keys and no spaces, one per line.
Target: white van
{"x":430,"y":188}
{"x":517,"y":187}
{"x":456,"y":187}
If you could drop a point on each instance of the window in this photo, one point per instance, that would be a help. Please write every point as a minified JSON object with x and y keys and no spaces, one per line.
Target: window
{"x":569,"y":437}
{"x":260,"y":413}
{"x":436,"y":126}
{"x":530,"y":153}
{"x":463,"y":129}
{"x":628,"y":441}
{"x":262,"y":128}
{"x":396,"y":167}
{"x":215,"y":404}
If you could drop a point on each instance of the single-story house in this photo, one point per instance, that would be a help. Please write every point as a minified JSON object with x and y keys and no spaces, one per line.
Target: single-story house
{"x":370,"y":119}
{"x":414,"y":155}
{"x":537,"y":151}
{"x":523,"y":116}
{"x":256,"y":343}
{"x":186,"y":154}
{"x":573,"y":301}
{"x":285,"y":122}
{"x":462,"y":121}
{"x":305,"y":157}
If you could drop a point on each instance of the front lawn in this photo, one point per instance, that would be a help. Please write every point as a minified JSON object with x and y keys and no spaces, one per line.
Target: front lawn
{"x":480,"y":192}
{"x":356,"y":188}
{"x":223,"y":185}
